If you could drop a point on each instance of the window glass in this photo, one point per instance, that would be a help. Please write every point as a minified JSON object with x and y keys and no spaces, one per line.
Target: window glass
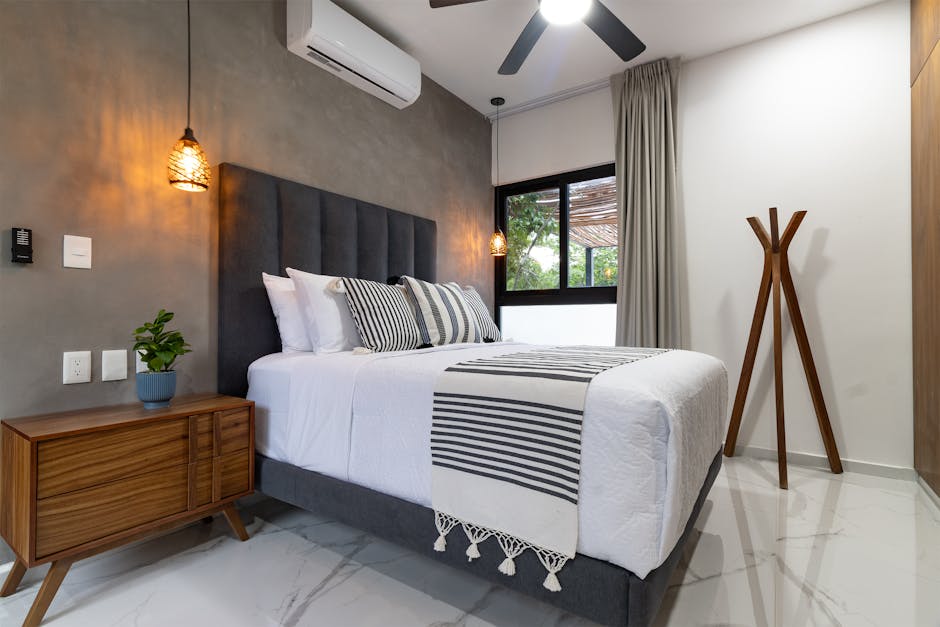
{"x":592,"y":233}
{"x":533,"y":259}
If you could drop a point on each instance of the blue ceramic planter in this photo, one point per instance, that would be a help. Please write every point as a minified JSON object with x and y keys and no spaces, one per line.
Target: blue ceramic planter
{"x":156,"y":389}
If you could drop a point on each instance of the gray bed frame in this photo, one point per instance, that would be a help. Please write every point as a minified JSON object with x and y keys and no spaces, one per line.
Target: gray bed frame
{"x":267,"y":224}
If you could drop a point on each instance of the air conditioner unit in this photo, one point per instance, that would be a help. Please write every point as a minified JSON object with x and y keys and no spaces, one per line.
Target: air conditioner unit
{"x":324,"y":34}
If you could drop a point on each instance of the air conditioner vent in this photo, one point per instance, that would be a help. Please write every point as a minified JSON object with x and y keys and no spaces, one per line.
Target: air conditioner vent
{"x":316,"y":56}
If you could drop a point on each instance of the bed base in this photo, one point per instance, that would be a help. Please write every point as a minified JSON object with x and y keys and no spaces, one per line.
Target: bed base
{"x":591,"y":588}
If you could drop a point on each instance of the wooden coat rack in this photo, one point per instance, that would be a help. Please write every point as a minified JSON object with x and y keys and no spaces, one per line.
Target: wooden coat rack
{"x":777,"y":276}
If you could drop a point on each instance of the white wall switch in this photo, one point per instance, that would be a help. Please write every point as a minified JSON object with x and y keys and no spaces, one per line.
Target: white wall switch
{"x":76,"y":367}
{"x":113,"y":365}
{"x":139,"y":365}
{"x":76,"y":251}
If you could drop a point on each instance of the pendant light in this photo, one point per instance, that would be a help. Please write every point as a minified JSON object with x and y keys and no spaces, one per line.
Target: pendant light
{"x":187,"y":168}
{"x":498,"y":244}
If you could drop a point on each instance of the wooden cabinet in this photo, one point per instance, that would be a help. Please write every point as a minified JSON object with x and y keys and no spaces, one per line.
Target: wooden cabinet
{"x":925,"y":30}
{"x":925,"y":236}
{"x":76,"y":483}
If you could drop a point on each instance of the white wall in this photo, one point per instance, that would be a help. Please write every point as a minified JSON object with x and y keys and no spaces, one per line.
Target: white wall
{"x":816,"y":119}
{"x":592,"y":325}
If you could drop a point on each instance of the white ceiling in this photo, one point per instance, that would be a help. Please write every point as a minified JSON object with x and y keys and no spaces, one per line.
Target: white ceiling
{"x":461,"y":47}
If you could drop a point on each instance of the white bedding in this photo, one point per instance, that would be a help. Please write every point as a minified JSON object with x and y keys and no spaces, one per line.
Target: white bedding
{"x":651,"y":429}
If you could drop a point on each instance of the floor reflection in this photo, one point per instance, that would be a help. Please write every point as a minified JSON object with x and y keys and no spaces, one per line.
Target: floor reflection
{"x":833,"y":550}
{"x":747,"y":545}
{"x":840,"y":550}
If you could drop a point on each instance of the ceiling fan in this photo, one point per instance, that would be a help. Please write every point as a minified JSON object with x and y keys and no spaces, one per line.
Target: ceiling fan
{"x":595,"y":16}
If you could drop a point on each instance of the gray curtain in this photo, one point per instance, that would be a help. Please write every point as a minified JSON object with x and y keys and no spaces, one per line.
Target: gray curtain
{"x":648,"y":309}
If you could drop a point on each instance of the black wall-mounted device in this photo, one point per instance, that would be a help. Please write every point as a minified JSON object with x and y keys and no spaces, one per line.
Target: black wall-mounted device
{"x":22,"y":245}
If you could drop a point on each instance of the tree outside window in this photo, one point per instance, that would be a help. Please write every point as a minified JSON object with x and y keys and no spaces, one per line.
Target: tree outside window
{"x":534,"y":220}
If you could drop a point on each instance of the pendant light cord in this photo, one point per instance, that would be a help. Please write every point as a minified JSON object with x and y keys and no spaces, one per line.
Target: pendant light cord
{"x":189,"y":63}
{"x":497,"y":145}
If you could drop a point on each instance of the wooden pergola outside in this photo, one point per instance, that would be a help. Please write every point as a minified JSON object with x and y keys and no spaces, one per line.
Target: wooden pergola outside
{"x":592,"y":217}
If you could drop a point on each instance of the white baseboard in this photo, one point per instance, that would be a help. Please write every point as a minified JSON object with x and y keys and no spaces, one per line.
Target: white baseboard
{"x":931,"y":495}
{"x":821,"y":461}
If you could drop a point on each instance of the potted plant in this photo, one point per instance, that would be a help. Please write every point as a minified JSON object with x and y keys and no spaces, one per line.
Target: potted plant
{"x":158,"y":349}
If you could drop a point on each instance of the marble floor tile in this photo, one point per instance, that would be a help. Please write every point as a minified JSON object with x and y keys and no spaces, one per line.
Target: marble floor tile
{"x":833,"y":550}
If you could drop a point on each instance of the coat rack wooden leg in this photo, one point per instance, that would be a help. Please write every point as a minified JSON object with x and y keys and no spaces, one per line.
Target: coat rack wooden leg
{"x":776,"y":277}
{"x":809,"y":367}
{"x":778,"y":371}
{"x":753,"y":340}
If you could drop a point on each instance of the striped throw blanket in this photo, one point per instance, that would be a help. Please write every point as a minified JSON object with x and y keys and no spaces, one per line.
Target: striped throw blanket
{"x":506,"y":450}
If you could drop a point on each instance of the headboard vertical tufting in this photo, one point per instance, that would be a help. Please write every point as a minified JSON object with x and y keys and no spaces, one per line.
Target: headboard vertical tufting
{"x":267,"y":224}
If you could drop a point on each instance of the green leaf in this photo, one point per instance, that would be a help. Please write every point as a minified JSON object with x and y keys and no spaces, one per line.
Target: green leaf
{"x":166,"y":356}
{"x":157,"y":347}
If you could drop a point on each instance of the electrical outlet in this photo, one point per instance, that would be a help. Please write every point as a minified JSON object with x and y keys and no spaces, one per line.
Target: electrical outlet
{"x":76,"y":367}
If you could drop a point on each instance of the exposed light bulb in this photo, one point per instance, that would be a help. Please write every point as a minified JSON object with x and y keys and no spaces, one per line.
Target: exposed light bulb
{"x":564,"y":11}
{"x":498,"y":246}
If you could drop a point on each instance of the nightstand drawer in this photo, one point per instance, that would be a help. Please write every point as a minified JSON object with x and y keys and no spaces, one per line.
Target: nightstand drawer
{"x":69,"y":520}
{"x":233,"y":427}
{"x":81,"y":461}
{"x":234,"y":470}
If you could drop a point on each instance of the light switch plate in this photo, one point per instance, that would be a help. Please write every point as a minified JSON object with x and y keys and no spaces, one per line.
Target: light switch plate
{"x":139,"y":365}
{"x":76,"y":251}
{"x":76,"y":367}
{"x":113,"y":365}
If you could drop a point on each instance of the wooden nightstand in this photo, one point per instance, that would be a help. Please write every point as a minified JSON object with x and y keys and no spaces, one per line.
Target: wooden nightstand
{"x":73,"y":484}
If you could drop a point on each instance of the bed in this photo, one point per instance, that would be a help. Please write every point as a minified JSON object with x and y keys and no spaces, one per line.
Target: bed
{"x":345,"y":435}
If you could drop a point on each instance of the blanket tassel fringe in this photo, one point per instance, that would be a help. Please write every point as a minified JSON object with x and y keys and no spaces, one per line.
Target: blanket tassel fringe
{"x":553,"y":562}
{"x":444,"y":524}
{"x":511,"y":546}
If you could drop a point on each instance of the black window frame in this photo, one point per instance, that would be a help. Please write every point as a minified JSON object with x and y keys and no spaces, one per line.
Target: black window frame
{"x":563,"y":295}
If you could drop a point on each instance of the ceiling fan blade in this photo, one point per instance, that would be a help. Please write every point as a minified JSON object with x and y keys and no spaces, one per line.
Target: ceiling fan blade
{"x":523,"y":46}
{"x":437,"y":4}
{"x":615,"y":33}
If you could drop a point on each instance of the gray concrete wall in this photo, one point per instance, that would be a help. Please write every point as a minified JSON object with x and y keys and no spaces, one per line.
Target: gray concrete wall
{"x":92,"y":98}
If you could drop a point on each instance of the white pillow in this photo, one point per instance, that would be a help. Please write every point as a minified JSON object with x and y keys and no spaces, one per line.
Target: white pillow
{"x":286,"y":307}
{"x":330,"y":325}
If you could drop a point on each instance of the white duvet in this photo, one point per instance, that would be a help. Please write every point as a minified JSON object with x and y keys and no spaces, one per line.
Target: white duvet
{"x":651,"y":429}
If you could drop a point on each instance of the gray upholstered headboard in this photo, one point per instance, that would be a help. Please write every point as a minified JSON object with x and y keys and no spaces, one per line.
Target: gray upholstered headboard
{"x":267,"y":224}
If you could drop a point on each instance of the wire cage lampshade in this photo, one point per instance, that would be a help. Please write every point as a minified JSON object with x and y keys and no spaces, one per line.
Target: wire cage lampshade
{"x":187,"y":168}
{"x":498,"y":244}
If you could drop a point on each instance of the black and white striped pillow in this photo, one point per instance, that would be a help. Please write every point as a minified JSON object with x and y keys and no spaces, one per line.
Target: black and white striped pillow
{"x":382,"y":315}
{"x":443,"y":315}
{"x":488,"y":329}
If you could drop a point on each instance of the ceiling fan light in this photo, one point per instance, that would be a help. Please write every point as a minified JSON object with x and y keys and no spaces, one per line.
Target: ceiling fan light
{"x":564,"y":11}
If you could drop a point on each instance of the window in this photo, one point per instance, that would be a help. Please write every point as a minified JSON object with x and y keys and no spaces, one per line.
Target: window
{"x":562,"y":239}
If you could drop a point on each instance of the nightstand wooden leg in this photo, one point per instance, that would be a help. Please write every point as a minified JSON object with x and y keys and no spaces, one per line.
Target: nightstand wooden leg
{"x":14,"y":577}
{"x":235,"y":521}
{"x":50,"y":585}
